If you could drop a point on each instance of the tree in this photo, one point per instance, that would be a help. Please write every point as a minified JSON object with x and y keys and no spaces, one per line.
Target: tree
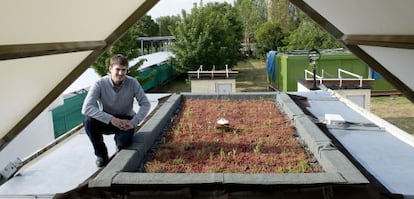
{"x":127,"y":45}
{"x":148,"y":28}
{"x":210,"y":35}
{"x":269,"y":36}
{"x":166,"y":23}
{"x":252,"y":17}
{"x":310,"y":36}
{"x":289,"y":29}
{"x":284,"y":12}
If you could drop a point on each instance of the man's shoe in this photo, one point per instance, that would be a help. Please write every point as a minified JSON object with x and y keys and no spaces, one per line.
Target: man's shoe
{"x":101,"y":162}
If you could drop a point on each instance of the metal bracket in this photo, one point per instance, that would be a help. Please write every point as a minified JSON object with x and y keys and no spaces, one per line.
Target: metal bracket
{"x":10,"y":170}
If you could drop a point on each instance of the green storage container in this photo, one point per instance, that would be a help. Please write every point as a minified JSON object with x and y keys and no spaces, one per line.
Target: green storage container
{"x":160,"y":74}
{"x":68,"y":115}
{"x":290,"y":68}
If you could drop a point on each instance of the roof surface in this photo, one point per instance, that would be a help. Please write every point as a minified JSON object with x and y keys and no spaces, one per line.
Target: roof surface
{"x":152,"y":59}
{"x":372,"y":142}
{"x":73,"y":161}
{"x":49,"y":175}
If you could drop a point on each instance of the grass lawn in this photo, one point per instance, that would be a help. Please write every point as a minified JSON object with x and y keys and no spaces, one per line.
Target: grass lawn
{"x":252,"y":78}
{"x":397,"y":110}
{"x":178,"y":85}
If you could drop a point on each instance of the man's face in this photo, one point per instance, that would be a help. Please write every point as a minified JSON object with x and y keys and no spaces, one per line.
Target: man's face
{"x":118,"y":73}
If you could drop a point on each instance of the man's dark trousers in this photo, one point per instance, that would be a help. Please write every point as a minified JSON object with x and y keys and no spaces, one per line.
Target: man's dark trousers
{"x":96,"y":129}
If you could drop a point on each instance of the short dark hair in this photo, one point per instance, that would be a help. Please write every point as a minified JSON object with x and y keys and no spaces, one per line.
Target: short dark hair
{"x":119,"y":59}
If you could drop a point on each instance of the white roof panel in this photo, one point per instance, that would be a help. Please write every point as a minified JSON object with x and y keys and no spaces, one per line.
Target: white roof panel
{"x":49,"y":21}
{"x":367,"y":16}
{"x":398,"y":61}
{"x":26,"y":81}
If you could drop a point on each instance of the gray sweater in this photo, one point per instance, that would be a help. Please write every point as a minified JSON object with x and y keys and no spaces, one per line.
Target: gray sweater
{"x":115,"y":101}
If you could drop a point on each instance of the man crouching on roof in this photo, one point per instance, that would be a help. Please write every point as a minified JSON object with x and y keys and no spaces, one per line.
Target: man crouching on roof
{"x":115,"y":93}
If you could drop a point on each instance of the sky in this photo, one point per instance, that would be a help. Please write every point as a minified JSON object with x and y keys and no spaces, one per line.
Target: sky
{"x":174,"y":7}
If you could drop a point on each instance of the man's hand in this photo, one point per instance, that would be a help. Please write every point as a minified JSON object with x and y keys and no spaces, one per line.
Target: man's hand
{"x":122,"y":124}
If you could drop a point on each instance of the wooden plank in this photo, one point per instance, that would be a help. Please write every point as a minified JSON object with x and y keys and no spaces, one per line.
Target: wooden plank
{"x":391,"y":41}
{"x":32,"y":50}
{"x":385,"y":92}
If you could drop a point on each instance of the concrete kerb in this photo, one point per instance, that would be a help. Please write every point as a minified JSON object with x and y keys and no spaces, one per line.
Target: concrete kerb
{"x":255,"y":95}
{"x":118,"y":163}
{"x":331,"y":159}
{"x":131,"y":158}
{"x":168,"y":108}
{"x":284,"y":178}
{"x":338,"y":168}
{"x":225,"y":178}
{"x":343,"y":166}
{"x":149,"y":132}
{"x":168,"y":178}
{"x":290,"y":109}
{"x":312,"y":135}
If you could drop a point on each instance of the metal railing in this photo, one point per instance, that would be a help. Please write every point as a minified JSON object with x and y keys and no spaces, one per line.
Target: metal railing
{"x":340,"y":71}
{"x":340,"y":76}
{"x":320,"y":78}
{"x":200,"y":70}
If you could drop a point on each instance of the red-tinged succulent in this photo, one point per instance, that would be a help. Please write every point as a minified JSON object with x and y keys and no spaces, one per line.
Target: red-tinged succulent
{"x":258,"y":139}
